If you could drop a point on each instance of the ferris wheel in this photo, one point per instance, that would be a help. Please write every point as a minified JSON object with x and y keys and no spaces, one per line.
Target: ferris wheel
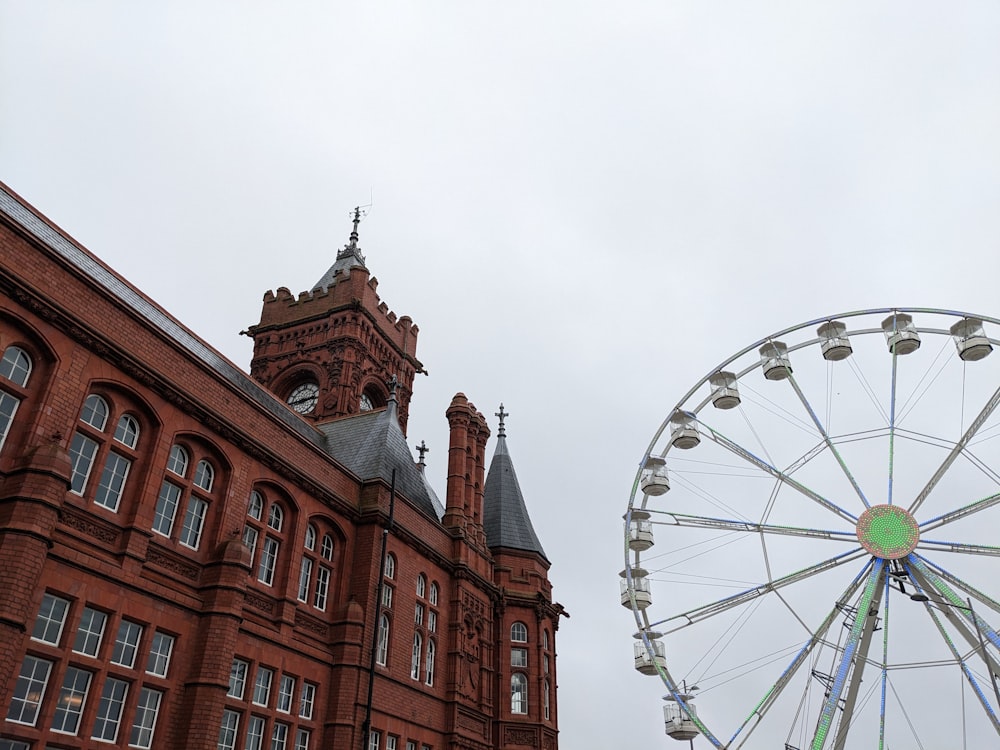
{"x":810,"y":541}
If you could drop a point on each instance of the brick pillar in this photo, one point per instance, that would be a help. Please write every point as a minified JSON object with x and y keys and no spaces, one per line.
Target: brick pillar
{"x":210,"y":655}
{"x":30,"y":500}
{"x":456,"y":513}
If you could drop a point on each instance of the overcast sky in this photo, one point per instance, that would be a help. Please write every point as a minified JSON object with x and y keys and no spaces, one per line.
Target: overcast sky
{"x":584,"y":207}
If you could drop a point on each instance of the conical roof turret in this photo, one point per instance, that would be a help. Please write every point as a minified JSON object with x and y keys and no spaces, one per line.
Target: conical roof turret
{"x":505,"y":516}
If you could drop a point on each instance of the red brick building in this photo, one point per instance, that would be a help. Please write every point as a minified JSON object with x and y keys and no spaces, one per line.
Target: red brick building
{"x":194,"y":558}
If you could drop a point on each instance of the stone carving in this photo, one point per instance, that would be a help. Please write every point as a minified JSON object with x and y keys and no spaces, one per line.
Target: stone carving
{"x":163,"y":559}
{"x":520,"y":736}
{"x":90,"y":527}
{"x":311,"y":624}
{"x":259,"y":602}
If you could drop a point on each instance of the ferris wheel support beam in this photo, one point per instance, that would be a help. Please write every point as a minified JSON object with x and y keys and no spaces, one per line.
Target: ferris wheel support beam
{"x":979,"y":421}
{"x":850,"y":656}
{"x":826,"y":439}
{"x":870,"y":617}
{"x":966,"y":549}
{"x":775,"y":472}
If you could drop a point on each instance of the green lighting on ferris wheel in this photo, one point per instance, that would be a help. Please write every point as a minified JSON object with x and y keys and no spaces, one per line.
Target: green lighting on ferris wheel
{"x":888,"y":532}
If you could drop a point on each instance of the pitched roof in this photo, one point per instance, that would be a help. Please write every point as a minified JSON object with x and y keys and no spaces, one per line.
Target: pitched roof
{"x":505,"y":516}
{"x":371,"y":445}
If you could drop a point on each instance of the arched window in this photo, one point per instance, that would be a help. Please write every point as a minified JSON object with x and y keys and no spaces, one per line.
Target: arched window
{"x":204,"y":475}
{"x":382,"y":651}
{"x":390,"y":566}
{"x":429,"y":665}
{"x":15,"y":369}
{"x":175,"y":488}
{"x":91,"y":446}
{"x":315,"y":574}
{"x":519,"y":632}
{"x":418,"y":648}
{"x":434,"y":595}
{"x":421,"y":585}
{"x":518,"y":693}
{"x":264,"y":544}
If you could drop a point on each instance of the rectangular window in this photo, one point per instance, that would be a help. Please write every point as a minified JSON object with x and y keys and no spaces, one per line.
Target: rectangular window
{"x":145,"y":718}
{"x":279,"y":736}
{"x":268,"y":559}
{"x":418,"y":614}
{"x":109,"y":710}
{"x":255,"y":733}
{"x":305,"y":573}
{"x":519,"y":657}
{"x":159,"y":654}
{"x":13,"y":744}
{"x":81,"y":452}
{"x":166,"y":509}
{"x":286,"y":689}
{"x":302,"y":740}
{"x":411,"y":745}
{"x":390,"y":742}
{"x":237,"y":678}
{"x":8,"y":408}
{"x":227,"y":731}
{"x":307,"y":700}
{"x":29,"y":690}
{"x":90,"y":632}
{"x":387,"y":596}
{"x":109,"y":489}
{"x":194,"y":522}
{"x":262,"y":686}
{"x":545,"y":663}
{"x":51,"y":618}
{"x":72,"y":699}
{"x":126,"y":644}
{"x":250,"y":539}
{"x":373,"y":740}
{"x":322,"y":587}
{"x":432,"y":621}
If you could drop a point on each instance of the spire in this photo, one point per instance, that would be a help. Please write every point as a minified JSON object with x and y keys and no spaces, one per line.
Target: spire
{"x":422,"y":449}
{"x":505,"y":516}
{"x":347,"y":258}
{"x":393,"y":385}
{"x":501,"y":432}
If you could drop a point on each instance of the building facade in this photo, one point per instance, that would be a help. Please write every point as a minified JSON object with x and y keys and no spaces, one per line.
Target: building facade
{"x":191,"y":557}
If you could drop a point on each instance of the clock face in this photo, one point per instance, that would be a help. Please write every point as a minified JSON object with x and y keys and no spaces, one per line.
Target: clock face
{"x":303,"y":399}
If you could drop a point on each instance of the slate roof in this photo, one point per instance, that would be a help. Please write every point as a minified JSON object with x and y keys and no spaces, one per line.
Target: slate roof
{"x":38,"y":227}
{"x":505,"y":517}
{"x":348,"y":258}
{"x":371,"y":445}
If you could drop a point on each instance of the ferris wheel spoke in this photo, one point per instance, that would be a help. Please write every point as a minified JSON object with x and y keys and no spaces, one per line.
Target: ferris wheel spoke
{"x":939,"y":573}
{"x":775,"y":472}
{"x":774,"y":692}
{"x":954,"y":613}
{"x":968,"y":549}
{"x":948,"y":597}
{"x":987,"y":502}
{"x":955,"y":452}
{"x":853,"y":655}
{"x":826,"y":439}
{"x":726,"y":524}
{"x":892,"y":435}
{"x":692,"y":616}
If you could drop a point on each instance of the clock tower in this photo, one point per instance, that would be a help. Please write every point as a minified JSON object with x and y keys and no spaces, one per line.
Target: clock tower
{"x":330,"y":352}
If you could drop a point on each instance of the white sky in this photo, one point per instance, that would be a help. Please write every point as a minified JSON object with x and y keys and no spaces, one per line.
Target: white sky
{"x":584,"y":208}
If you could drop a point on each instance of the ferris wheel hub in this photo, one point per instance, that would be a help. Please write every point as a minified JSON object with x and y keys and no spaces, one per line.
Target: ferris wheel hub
{"x":888,"y":532}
